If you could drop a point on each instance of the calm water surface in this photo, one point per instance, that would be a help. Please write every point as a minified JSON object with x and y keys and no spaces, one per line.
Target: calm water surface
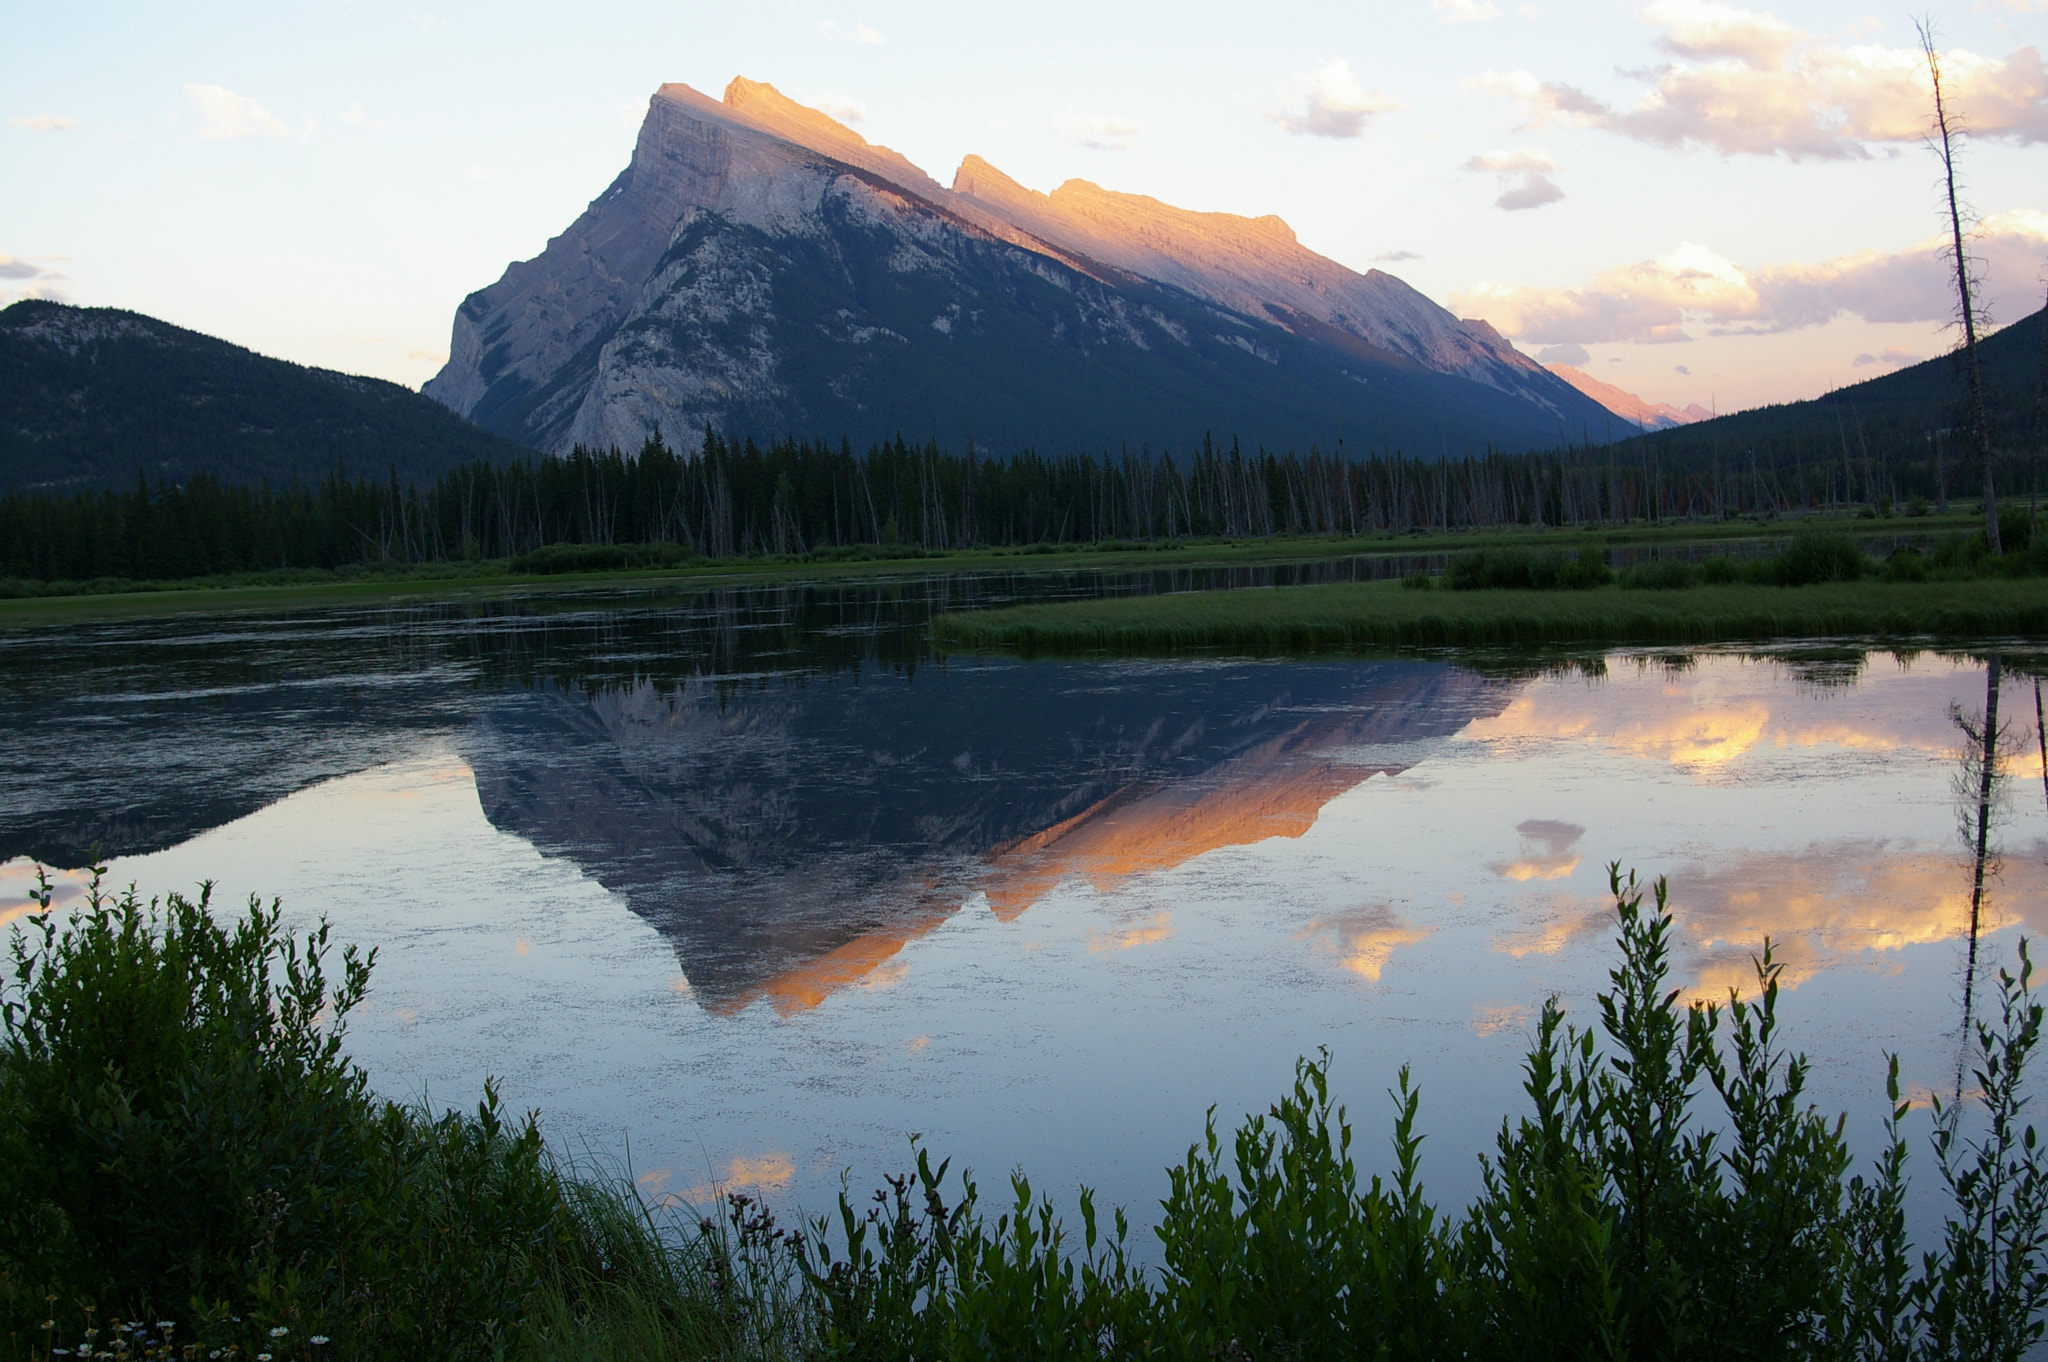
{"x":749,"y":884}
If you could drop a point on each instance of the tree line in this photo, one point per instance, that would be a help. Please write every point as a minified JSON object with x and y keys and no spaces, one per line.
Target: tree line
{"x":741,"y":499}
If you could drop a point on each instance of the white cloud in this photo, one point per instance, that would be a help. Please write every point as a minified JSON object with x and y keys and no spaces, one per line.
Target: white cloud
{"x":1892,"y":357}
{"x":1329,"y":102}
{"x":225,"y":114}
{"x":1103,"y":134}
{"x":1574,"y":355}
{"x":1465,"y":11}
{"x":354,"y":116}
{"x":1397,"y":256}
{"x":1745,"y":82}
{"x":839,"y":107}
{"x":859,"y":33}
{"x":1525,"y":177}
{"x":1657,"y":300}
{"x":43,"y":123}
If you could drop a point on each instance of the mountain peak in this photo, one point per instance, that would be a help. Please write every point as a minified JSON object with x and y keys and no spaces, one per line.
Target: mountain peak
{"x":767,"y":109}
{"x":1625,"y":404}
{"x":730,"y":275}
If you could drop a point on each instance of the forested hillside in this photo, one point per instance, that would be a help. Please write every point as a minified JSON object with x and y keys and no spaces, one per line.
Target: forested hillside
{"x":1902,"y":420}
{"x":91,"y":396}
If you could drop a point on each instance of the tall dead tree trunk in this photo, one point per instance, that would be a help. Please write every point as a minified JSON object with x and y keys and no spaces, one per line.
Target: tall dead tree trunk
{"x":2040,"y":431}
{"x":1944,"y":138}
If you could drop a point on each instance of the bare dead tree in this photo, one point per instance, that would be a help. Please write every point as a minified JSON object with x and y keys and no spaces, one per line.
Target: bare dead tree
{"x":2040,"y":431}
{"x":1945,"y":139}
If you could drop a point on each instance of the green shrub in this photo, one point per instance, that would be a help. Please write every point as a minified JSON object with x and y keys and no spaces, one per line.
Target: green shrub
{"x":1906,"y":564}
{"x":1521,"y":569}
{"x":1720,"y":570}
{"x":171,"y":1099}
{"x":1961,"y":554}
{"x":1669,"y":1193}
{"x":1418,"y":581}
{"x":1662,"y":574}
{"x":2015,"y":528}
{"x":1815,"y":555}
{"x":183,"y":1139}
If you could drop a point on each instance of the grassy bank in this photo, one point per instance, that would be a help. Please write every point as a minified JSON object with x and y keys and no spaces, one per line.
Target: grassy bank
{"x":1348,"y":616}
{"x":550,"y":571}
{"x":190,"y":1167}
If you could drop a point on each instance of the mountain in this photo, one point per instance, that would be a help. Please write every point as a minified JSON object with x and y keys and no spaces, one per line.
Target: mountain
{"x":789,"y":837}
{"x":1893,"y":418}
{"x":764,"y":269}
{"x":1626,"y":405}
{"x":90,"y":395}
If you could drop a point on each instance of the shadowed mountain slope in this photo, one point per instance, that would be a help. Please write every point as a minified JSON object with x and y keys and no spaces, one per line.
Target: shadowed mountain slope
{"x":762,"y":269}
{"x":91,"y":395}
{"x":1894,"y":417}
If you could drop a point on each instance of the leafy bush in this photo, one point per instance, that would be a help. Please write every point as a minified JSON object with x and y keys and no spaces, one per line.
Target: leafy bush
{"x":1815,"y":555}
{"x":2015,"y":528}
{"x":182,"y":1138}
{"x":1905,"y":565}
{"x":1522,"y":569}
{"x":1418,"y":581}
{"x":1720,"y":570}
{"x":1662,"y":574}
{"x":1670,"y":1193}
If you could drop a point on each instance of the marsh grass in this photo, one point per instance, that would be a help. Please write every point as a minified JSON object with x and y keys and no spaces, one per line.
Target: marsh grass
{"x":1350,"y":616}
{"x":1669,"y":1193}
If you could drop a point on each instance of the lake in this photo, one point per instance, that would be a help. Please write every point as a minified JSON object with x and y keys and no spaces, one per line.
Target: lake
{"x":747,"y":886}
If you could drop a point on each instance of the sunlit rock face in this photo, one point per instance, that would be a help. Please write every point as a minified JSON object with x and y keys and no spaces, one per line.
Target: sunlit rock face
{"x":1256,"y":267}
{"x":790,"y":839}
{"x":1626,"y":405}
{"x":764,"y":270}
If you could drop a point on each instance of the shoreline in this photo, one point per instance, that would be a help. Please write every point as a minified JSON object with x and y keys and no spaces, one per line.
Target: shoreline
{"x":435,"y":582}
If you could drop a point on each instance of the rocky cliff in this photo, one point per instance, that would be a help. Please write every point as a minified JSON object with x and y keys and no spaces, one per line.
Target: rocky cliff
{"x":765,"y":270}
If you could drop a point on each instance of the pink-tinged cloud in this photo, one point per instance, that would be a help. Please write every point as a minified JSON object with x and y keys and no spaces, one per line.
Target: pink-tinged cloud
{"x":1746,"y":83}
{"x":1525,"y":177}
{"x":1693,"y":288}
{"x":43,"y":123}
{"x":1329,"y":102}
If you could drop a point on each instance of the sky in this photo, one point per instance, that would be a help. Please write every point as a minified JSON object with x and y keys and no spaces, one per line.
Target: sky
{"x":1701,"y":203}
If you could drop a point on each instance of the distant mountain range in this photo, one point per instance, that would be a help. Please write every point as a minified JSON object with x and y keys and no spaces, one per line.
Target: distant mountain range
{"x":89,"y":396}
{"x":763,"y":269}
{"x":1626,"y":405}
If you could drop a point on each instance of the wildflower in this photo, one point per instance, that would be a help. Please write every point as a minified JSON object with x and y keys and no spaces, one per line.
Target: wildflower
{"x":167,"y":1324}
{"x":263,"y":1357}
{"x":279,"y":1332}
{"x":319,"y":1340}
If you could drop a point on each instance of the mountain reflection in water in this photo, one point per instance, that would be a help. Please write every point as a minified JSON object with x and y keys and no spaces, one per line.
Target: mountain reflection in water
{"x":790,"y":838}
